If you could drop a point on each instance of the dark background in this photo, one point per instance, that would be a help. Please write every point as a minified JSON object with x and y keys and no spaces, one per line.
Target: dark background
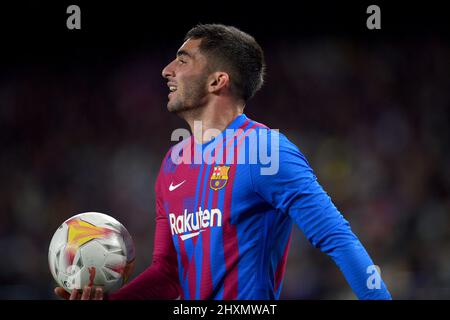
{"x":84,"y":127}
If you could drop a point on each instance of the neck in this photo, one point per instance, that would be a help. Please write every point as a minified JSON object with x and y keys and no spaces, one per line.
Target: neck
{"x":209,"y":121}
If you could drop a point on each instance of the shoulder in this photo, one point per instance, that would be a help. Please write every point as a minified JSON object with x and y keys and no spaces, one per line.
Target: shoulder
{"x":272,"y":155}
{"x":174,"y":155}
{"x":166,"y":168}
{"x":275,"y":142}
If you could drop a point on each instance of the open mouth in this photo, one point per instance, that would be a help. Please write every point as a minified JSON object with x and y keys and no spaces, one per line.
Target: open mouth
{"x":172,"y":88}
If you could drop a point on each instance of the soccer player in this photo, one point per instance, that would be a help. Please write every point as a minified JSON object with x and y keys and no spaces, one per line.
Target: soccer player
{"x":224,"y":220}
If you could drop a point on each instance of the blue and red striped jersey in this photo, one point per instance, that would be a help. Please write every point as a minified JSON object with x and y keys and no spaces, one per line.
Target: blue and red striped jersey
{"x":227,"y":208}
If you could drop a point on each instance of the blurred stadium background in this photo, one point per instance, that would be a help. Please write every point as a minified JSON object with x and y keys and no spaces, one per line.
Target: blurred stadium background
{"x":84,"y":127}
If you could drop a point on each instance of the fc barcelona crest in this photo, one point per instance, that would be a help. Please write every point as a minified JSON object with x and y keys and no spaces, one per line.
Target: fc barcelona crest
{"x":219,"y":177}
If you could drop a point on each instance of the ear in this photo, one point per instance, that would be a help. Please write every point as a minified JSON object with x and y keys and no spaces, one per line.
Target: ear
{"x":218,"y":81}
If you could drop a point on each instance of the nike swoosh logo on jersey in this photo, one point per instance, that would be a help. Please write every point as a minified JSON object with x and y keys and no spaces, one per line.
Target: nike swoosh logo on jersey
{"x":173,"y":187}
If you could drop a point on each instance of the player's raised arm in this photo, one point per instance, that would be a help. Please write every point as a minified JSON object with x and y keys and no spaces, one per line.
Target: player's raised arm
{"x":294,"y":190}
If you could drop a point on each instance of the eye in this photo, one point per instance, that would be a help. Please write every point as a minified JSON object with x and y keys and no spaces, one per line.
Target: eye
{"x":181,"y":61}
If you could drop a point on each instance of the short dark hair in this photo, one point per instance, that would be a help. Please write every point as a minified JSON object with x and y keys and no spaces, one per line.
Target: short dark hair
{"x":233,"y":51}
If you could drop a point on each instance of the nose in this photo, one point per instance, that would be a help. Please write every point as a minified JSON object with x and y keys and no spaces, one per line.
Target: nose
{"x":168,"y":71}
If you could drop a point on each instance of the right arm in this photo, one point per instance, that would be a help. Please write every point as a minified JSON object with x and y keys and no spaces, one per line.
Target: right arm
{"x":160,"y":280}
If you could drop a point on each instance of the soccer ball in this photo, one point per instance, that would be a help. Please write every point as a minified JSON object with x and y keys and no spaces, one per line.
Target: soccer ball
{"x":91,"y":249}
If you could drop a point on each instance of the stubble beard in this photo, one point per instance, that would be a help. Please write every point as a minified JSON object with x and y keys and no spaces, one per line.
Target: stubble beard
{"x":192,"y":98}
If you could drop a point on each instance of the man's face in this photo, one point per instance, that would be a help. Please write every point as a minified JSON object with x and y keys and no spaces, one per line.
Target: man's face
{"x":187,"y":78}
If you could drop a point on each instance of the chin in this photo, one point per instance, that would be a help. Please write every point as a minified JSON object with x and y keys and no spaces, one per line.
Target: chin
{"x":176,"y":107}
{"x":172,"y":108}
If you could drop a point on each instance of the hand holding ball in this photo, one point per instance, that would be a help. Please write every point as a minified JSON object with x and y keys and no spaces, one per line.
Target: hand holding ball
{"x":91,"y":249}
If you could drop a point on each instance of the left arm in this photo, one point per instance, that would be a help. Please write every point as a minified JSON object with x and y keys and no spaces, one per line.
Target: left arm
{"x":294,"y":190}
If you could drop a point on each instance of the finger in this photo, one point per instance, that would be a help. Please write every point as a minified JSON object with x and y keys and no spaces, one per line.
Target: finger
{"x":59,"y":291}
{"x":74,"y":295}
{"x":98,"y":294}
{"x":86,"y":293}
